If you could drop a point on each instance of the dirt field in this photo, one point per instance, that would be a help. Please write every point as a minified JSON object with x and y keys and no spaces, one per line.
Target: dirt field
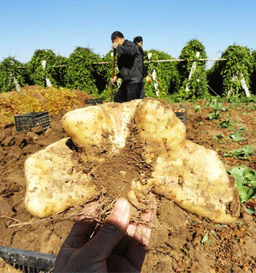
{"x":176,"y":244}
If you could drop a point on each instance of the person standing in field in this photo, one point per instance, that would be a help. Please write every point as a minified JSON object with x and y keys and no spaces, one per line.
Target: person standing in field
{"x":139,"y":42}
{"x":130,"y":65}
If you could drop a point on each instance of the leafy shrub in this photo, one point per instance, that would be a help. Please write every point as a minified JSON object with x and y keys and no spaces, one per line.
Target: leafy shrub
{"x":253,"y":74}
{"x":58,"y":70}
{"x":167,"y":76}
{"x":225,"y":77}
{"x":36,"y":71}
{"x":215,"y":79}
{"x":196,"y":86}
{"x":82,"y":72}
{"x":10,"y":69}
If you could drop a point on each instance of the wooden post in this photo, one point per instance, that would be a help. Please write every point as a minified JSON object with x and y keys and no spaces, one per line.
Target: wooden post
{"x":155,"y":82}
{"x":230,"y":90}
{"x":193,"y":68}
{"x":245,"y":87}
{"x":48,"y":82}
{"x":243,"y":84}
{"x":113,"y":75}
{"x":17,"y":86}
{"x":12,"y":78}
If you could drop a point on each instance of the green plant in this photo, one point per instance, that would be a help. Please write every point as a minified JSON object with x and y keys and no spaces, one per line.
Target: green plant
{"x":205,"y":239}
{"x":253,"y":74}
{"x":225,"y":124}
{"x":167,"y":76}
{"x":58,"y":70}
{"x":214,"y":115}
{"x":226,"y":76}
{"x":215,"y":104}
{"x":220,"y":136}
{"x":197,"y":107}
{"x":241,"y":153}
{"x":245,"y":182}
{"x":12,"y":73}
{"x":38,"y":73}
{"x":193,"y":85}
{"x":237,"y":135}
{"x":217,"y":107}
{"x":82,"y":70}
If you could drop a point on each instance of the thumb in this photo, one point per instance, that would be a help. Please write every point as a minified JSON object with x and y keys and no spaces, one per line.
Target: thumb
{"x":120,"y":215}
{"x":114,"y":228}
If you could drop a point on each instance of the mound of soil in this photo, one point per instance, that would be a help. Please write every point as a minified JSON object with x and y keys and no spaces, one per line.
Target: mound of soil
{"x":181,"y":241}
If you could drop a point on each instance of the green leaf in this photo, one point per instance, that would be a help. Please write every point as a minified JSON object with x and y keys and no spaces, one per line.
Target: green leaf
{"x":249,"y":211}
{"x":245,"y":182}
{"x":241,"y":153}
{"x":238,"y":135}
{"x":206,"y":239}
{"x":225,"y":124}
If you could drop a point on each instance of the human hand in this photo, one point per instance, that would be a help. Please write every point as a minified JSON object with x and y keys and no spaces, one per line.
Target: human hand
{"x":113,"y":80}
{"x":148,"y":79}
{"x":110,"y":249}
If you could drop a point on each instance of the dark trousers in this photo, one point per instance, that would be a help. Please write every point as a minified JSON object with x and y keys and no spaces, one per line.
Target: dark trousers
{"x":128,"y":92}
{"x":142,"y":93}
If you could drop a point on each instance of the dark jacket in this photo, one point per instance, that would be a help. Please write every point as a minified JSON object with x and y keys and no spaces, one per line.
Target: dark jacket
{"x":129,"y":62}
{"x":144,"y":70}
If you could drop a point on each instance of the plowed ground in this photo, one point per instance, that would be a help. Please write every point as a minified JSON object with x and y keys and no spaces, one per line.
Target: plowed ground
{"x":176,"y":244}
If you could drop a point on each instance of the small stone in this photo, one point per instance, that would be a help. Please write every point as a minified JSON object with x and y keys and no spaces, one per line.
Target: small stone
{"x":38,"y":129}
{"x":48,"y":132}
{"x":5,"y":208}
{"x":32,"y":136}
{"x":9,"y":141}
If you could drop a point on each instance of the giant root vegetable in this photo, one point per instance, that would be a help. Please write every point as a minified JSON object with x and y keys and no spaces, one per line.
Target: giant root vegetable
{"x":129,"y":149}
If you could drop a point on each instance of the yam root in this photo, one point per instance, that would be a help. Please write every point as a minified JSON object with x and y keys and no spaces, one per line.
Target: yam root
{"x":188,"y":174}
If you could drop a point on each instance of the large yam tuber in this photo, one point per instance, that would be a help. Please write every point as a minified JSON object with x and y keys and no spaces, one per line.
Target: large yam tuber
{"x":190,"y":175}
{"x":53,"y":181}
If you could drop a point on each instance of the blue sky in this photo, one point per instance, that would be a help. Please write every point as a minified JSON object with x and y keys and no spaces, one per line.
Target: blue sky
{"x":165,"y":25}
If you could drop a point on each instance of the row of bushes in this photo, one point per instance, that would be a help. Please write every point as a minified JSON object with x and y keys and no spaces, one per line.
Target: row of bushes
{"x":81,"y":71}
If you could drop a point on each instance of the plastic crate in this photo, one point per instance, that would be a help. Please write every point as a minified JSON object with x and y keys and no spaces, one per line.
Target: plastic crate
{"x":27,"y":121}
{"x":181,"y":113}
{"x":94,"y":101}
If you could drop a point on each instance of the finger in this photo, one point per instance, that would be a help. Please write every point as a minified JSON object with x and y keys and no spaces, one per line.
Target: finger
{"x":80,"y":234}
{"x":141,"y":235}
{"x":131,"y":229}
{"x":90,"y":211}
{"x":138,"y":243}
{"x":144,"y":230}
{"x":113,"y":230}
{"x":120,"y":215}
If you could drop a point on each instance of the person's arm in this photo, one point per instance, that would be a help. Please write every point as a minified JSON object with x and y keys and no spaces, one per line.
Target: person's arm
{"x":128,"y":49}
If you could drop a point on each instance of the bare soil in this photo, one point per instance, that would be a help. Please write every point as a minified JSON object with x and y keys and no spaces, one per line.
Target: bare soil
{"x":176,"y":244}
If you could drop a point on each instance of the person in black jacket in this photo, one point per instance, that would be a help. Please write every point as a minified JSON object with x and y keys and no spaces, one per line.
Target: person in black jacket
{"x":130,"y":65}
{"x":139,"y":42}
